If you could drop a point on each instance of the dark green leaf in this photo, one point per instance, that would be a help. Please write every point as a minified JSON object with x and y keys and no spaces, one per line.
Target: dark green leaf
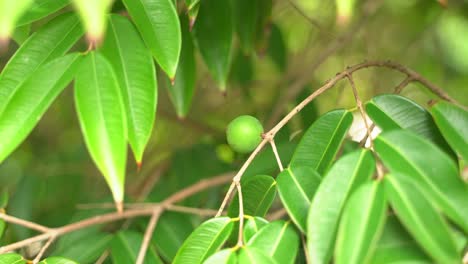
{"x":245,"y":18}
{"x":320,"y":144}
{"x":345,"y":175}
{"x":204,"y":241}
{"x":252,"y":226}
{"x":57,"y":260}
{"x":258,"y":193}
{"x":81,"y":251}
{"x":93,"y":15}
{"x":125,"y":247}
{"x":181,"y":93}
{"x":277,"y":49}
{"x":453,"y":123}
{"x":390,"y":112}
{"x":225,"y":256}
{"x":297,"y":186}
{"x":3,"y":199}
{"x":421,"y":219}
{"x":278,"y":240}
{"x":23,"y":108}
{"x":10,"y":12}
{"x":136,"y":74}
{"x":41,"y":8}
{"x":2,"y":227}
{"x":250,"y":255}
{"x":102,"y":118}
{"x":430,"y":167}
{"x":11,"y":258}
{"x":159,"y":26}
{"x":361,"y":224}
{"x":170,"y":233}
{"x":213,"y":32}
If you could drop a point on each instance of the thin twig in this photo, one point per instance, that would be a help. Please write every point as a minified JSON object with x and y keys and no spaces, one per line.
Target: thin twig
{"x":361,"y":109}
{"x":312,"y":21}
{"x":147,"y":237}
{"x":43,"y":249}
{"x":228,"y":195}
{"x":275,"y":151}
{"x":25,"y":223}
{"x":403,"y":84}
{"x":103,"y":257}
{"x":276,"y":214}
{"x":240,"y":239}
{"x":169,"y":207}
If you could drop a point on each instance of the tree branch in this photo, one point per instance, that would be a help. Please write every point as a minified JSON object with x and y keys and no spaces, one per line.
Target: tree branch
{"x":25,"y":223}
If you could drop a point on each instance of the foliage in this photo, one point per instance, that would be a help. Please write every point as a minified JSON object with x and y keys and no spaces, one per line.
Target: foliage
{"x":366,"y":176}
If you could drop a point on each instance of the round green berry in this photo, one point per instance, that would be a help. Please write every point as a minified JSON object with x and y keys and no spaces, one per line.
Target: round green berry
{"x":244,"y":133}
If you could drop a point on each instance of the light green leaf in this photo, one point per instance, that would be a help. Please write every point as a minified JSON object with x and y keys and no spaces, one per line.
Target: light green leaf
{"x":159,"y":26}
{"x":397,"y":246}
{"x":225,"y":256}
{"x":245,"y":21}
{"x":278,"y":240}
{"x":57,"y":260}
{"x":252,"y":226}
{"x":125,"y":247}
{"x":321,"y":142}
{"x":345,"y":175}
{"x":258,"y":193}
{"x":82,"y":252}
{"x":391,"y":112}
{"x":421,"y":219}
{"x":41,"y":8}
{"x":430,"y":167}
{"x":170,"y":233}
{"x":10,"y":12}
{"x":213,"y":32}
{"x":297,"y":186}
{"x":181,"y":93}
{"x":453,"y":123}
{"x":102,"y":118}
{"x":49,"y":42}
{"x":361,"y":224}
{"x":93,"y":14}
{"x":136,"y":74}
{"x":204,"y":241}
{"x":23,"y":108}
{"x":250,"y":255}
{"x":12,"y":258}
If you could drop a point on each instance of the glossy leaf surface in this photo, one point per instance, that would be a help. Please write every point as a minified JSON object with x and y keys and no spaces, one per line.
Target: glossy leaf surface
{"x":205,"y":240}
{"x":41,"y":8}
{"x":136,"y":75}
{"x":251,"y":255}
{"x":296,"y":187}
{"x":440,"y":180}
{"x":345,"y":175}
{"x":258,"y":193}
{"x":213,"y":32}
{"x":322,"y":140}
{"x":102,"y":118}
{"x":361,"y":224}
{"x":225,"y":256}
{"x":125,"y":247}
{"x":159,"y":26}
{"x":252,"y":226}
{"x":12,"y":258}
{"x":421,"y":218}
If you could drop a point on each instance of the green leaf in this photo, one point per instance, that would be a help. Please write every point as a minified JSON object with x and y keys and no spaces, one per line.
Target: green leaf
{"x":82,"y":252}
{"x":12,"y":258}
{"x":93,"y":14}
{"x":397,"y":246}
{"x":213,"y":32}
{"x":225,"y":256}
{"x":361,"y":224}
{"x":193,"y":13}
{"x":159,"y":26}
{"x":21,"y":34}
{"x":205,"y":240}
{"x":3,"y":199}
{"x":252,"y":226}
{"x":102,"y":118}
{"x":453,"y":123}
{"x":421,"y":219}
{"x":440,"y":180}
{"x":2,"y":227}
{"x":170,"y":233}
{"x":245,"y":14}
{"x":49,"y":42}
{"x":136,"y":74}
{"x":24,"y":107}
{"x":321,"y":142}
{"x":277,"y":49}
{"x":278,"y":240}
{"x":125,"y":247}
{"x":258,"y":193}
{"x":390,"y":112}
{"x":10,"y":12}
{"x":250,"y":255}
{"x":345,"y":175}
{"x":296,"y":187}
{"x":57,"y":260}
{"x":41,"y":8}
{"x":181,"y":93}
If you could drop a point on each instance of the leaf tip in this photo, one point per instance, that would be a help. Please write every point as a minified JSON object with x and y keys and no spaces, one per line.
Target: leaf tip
{"x":94,"y":41}
{"x":172,"y":79}
{"x":119,"y":206}
{"x":4,"y":43}
{"x":192,"y":20}
{"x":443,"y":3}
{"x":138,"y":164}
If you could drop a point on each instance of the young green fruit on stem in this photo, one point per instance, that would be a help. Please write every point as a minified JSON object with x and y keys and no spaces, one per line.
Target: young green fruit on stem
{"x":244,"y":133}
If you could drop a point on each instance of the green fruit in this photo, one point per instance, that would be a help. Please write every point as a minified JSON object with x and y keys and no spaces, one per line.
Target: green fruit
{"x":244,"y":133}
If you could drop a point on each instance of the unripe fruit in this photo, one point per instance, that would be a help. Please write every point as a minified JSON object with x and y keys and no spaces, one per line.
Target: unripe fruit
{"x":244,"y":133}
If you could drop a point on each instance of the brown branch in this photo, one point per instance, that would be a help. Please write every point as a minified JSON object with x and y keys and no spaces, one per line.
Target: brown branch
{"x":25,"y":223}
{"x":361,"y":109}
{"x":43,"y":249}
{"x":276,"y":214}
{"x":403,"y":84}
{"x":147,"y":237}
